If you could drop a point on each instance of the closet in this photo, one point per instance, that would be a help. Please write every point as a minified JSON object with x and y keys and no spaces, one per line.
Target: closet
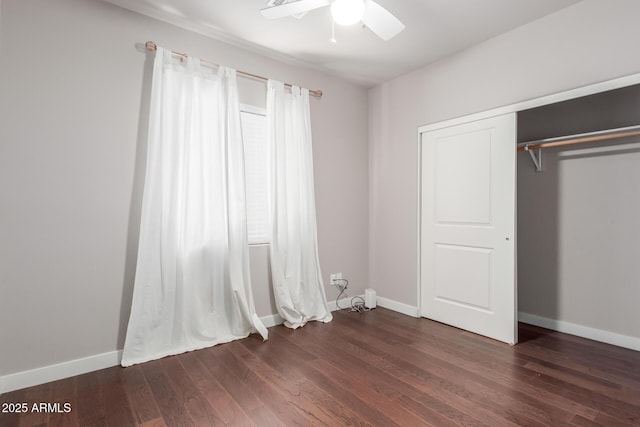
{"x":576,"y":239}
{"x":579,"y":217}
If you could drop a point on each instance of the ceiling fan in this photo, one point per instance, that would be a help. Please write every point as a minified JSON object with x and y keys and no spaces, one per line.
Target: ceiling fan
{"x":345,"y":12}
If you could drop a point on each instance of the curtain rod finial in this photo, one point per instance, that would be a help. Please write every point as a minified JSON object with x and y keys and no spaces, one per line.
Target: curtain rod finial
{"x":151,"y":46}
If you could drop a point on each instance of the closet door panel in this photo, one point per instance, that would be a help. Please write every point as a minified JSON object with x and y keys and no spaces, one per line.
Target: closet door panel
{"x":452,"y":283}
{"x":468,"y":227}
{"x":463,"y":183}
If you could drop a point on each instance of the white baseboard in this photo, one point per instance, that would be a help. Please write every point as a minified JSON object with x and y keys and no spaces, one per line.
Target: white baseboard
{"x":59,"y":371}
{"x":106,"y":360}
{"x":400,"y":307}
{"x":272,"y":320}
{"x":71,"y":368}
{"x":344,"y":303}
{"x":608,"y":337}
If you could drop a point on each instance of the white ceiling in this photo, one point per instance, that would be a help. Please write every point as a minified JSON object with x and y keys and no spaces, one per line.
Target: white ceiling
{"x":434,"y":30}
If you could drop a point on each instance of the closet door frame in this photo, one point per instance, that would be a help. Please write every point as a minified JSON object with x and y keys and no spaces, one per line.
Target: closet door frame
{"x":595,"y":88}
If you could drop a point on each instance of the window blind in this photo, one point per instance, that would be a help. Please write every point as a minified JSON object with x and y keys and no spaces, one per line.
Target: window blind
{"x":254,"y":136}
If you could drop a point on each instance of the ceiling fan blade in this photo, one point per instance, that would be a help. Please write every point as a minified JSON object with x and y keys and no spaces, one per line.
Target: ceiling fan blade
{"x":280,"y":9}
{"x":379,"y":20}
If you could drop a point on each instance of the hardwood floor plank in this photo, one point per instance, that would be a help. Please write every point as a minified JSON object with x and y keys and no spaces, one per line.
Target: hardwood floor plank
{"x":610,"y":420}
{"x":224,"y":409}
{"x":261,"y":416}
{"x":118,"y":412}
{"x":168,"y":402}
{"x":522,"y":400}
{"x":467,"y":394}
{"x":276,"y":354}
{"x":579,"y":420}
{"x":379,"y":395}
{"x":370,"y":414}
{"x":291,"y":408}
{"x":64,"y":391}
{"x":586,"y":381}
{"x":140,"y":396}
{"x":34,"y":396}
{"x":156,"y":422}
{"x":193,"y":404}
{"x":534,"y":353}
{"x":377,"y":368}
{"x":230,"y":381}
{"x":89,"y":400}
{"x":509,"y":379}
{"x":292,"y":384}
{"x":8,"y":415}
{"x":586,"y":351}
{"x":357,"y":374}
{"x":437,"y":413}
{"x":621,"y":410}
{"x":426,"y":375}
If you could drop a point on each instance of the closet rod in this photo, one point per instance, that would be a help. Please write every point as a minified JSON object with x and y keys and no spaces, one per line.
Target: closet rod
{"x":602,"y":135}
{"x":152,"y":46}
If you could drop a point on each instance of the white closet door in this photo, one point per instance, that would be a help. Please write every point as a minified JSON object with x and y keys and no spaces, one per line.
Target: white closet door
{"x":468,"y":227}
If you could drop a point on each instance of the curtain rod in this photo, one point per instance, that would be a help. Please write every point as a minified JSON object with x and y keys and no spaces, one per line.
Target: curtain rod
{"x":152,"y":46}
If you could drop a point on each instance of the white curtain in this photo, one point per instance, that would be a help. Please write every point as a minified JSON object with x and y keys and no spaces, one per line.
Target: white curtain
{"x":297,"y":280}
{"x":192,"y":285}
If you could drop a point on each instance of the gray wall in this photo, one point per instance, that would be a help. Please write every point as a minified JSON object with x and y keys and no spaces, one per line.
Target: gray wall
{"x":578,"y":236}
{"x":588,"y":42}
{"x":73,"y":102}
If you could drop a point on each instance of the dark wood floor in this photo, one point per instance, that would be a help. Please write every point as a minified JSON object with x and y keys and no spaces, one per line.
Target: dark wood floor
{"x":378,"y":368}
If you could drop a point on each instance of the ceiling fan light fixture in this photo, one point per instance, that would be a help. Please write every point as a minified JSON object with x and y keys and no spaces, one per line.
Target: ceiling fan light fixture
{"x":347,"y":12}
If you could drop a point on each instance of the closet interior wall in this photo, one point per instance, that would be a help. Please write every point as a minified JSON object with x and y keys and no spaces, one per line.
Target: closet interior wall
{"x":578,"y":227}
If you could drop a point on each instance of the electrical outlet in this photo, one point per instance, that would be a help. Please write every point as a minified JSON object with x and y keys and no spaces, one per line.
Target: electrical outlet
{"x":335,"y":279}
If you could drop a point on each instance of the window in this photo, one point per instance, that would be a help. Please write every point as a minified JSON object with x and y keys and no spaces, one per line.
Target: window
{"x":256,"y":153}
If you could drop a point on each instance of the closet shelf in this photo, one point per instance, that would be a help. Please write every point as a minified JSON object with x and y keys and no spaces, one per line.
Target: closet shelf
{"x":534,"y":148}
